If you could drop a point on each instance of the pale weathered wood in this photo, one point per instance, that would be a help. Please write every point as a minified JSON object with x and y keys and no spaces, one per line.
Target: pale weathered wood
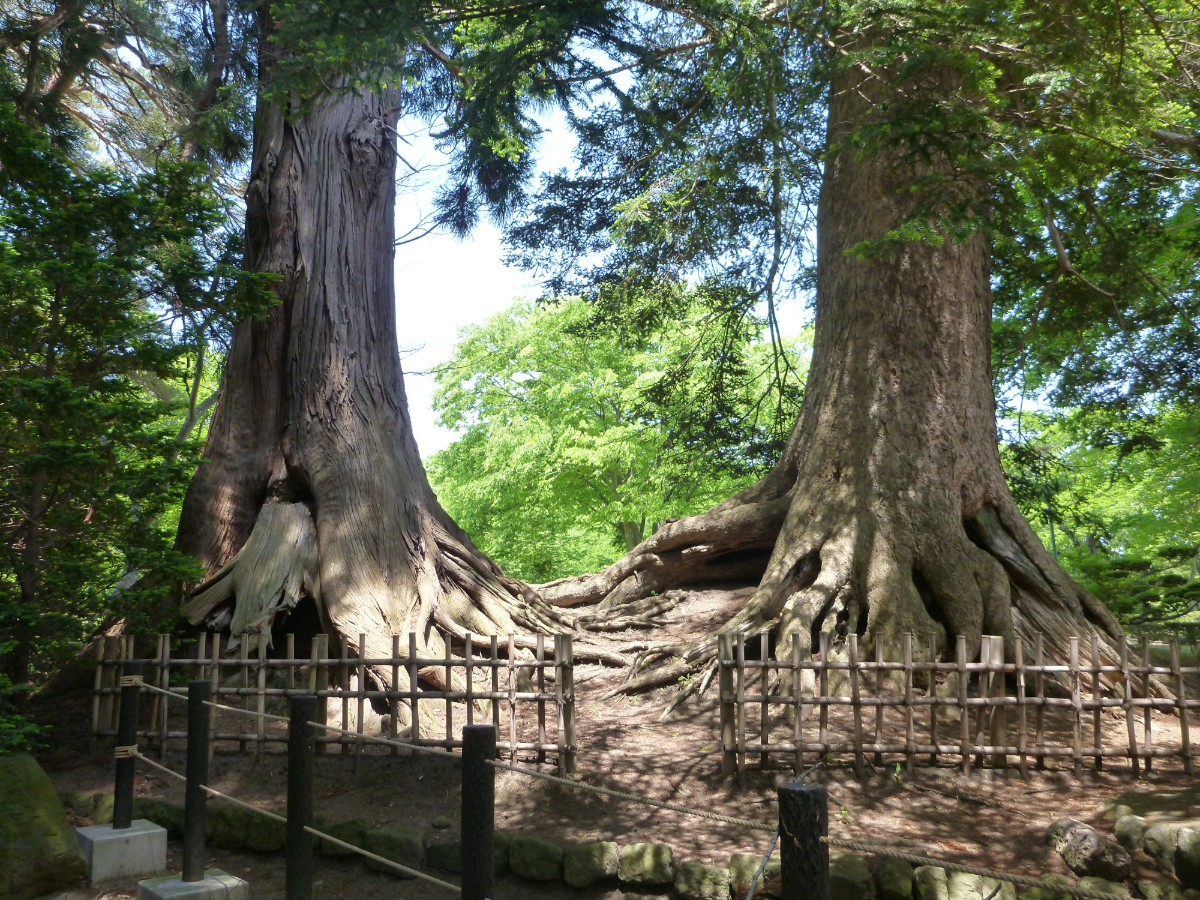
{"x":824,"y":687}
{"x":247,"y":699}
{"x":393,"y":700}
{"x":1019,"y":659}
{"x":164,"y":682}
{"x":728,"y":703}
{"x":1127,"y":707}
{"x":1040,"y":684}
{"x":999,"y":712}
{"x":512,"y":698}
{"x":960,"y":652}
{"x":449,"y":677}
{"x":764,"y":724}
{"x":741,"y":710}
{"x":495,"y":663}
{"x":1097,"y":724}
{"x":1185,"y":738}
{"x":362,"y":696}
{"x":1147,"y":719}
{"x":910,"y":735}
{"x":290,"y":670}
{"x":798,"y":701}
{"x":856,"y":706}
{"x":1076,"y":708}
{"x":216,"y":686}
{"x":260,"y":729}
{"x":933,"y":695}
{"x":414,"y":708}
{"x":541,"y":704}
{"x":879,"y":682}
{"x":468,"y":667}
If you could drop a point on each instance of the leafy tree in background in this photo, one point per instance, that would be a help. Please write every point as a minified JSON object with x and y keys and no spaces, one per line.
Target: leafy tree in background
{"x":580,"y":436}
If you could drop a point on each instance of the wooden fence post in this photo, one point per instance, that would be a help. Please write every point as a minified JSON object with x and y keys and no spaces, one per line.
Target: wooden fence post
{"x":803,"y":821}
{"x":478,"y":812}
{"x":126,"y":737}
{"x":728,"y":711}
{"x":564,"y":656}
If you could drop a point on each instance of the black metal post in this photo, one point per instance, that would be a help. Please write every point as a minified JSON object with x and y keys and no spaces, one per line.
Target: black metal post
{"x":195,"y":801}
{"x":298,"y":884}
{"x":803,"y":821}
{"x":126,"y":737}
{"x":478,"y":812}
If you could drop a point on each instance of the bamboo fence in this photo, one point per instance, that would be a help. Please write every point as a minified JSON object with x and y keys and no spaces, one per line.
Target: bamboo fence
{"x":540,"y":721}
{"x":917,"y":712}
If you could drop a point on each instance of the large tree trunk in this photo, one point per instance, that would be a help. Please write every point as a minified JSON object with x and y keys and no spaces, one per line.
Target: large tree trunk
{"x":311,"y":482}
{"x":889,"y":511}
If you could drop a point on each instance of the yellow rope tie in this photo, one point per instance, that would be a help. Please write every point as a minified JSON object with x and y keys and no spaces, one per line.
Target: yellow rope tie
{"x":126,"y":752}
{"x":911,"y":858}
{"x":132,"y":681}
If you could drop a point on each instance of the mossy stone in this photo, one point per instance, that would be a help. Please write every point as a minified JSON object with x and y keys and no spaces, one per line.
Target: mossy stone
{"x":1101,"y":886}
{"x":695,"y":881}
{"x":351,"y":832}
{"x":38,"y":849}
{"x":401,"y":845}
{"x":535,"y":859}
{"x":850,"y":877}
{"x":102,"y":808}
{"x":160,"y":812}
{"x":894,"y":879}
{"x":647,"y":864}
{"x":588,"y":863}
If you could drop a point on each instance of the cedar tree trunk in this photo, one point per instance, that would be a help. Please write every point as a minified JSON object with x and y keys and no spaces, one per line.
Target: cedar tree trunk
{"x":311,"y":484}
{"x":888,"y":512}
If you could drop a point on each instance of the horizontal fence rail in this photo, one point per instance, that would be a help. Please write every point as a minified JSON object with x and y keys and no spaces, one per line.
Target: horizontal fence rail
{"x":528,"y":695}
{"x":914,"y":712}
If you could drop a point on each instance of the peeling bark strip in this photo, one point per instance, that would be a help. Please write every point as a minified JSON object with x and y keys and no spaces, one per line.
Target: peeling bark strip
{"x":888,"y":513}
{"x":312,"y":423}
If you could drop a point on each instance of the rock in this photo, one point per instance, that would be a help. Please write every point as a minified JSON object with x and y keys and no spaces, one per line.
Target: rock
{"x":647,"y":864}
{"x":236,"y":828}
{"x":401,"y":845}
{"x":1113,"y":810}
{"x":1129,"y":831}
{"x":445,"y":855}
{"x":961,"y":886}
{"x":1159,"y":890}
{"x":1101,"y":886}
{"x":850,"y":877}
{"x":929,"y":883}
{"x":695,"y":881}
{"x":79,"y":801}
{"x":1088,"y":852}
{"x":894,"y":879}
{"x":102,"y":808}
{"x":1159,"y":842}
{"x":742,"y":867}
{"x":1191,"y":894}
{"x":38,"y":850}
{"x":1187,"y":857}
{"x":535,"y":859}
{"x":442,"y":822}
{"x":352,"y":832}
{"x":1045,"y":893}
{"x":588,"y":863}
{"x":160,"y":812}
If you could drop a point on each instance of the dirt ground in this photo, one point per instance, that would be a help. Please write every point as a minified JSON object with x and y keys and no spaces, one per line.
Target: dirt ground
{"x":991,"y":818}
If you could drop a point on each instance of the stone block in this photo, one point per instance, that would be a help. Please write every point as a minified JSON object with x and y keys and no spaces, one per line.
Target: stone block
{"x":1088,"y":852}
{"x":215,"y":885}
{"x":140,"y":849}
{"x":647,"y":864}
{"x":102,"y":808}
{"x":38,"y":850}
{"x":742,"y":867}
{"x":894,"y":879}
{"x":929,"y":883}
{"x":160,"y":812}
{"x":1045,"y":893}
{"x":694,"y":881}
{"x":1159,"y":890}
{"x":535,"y":859}
{"x":588,"y":863}
{"x":850,"y":877}
{"x":1130,"y":831}
{"x":352,"y":832}
{"x":961,"y":886}
{"x":401,"y":845}
{"x":1159,"y":843}
{"x":1187,"y":857}
{"x":1103,"y":886}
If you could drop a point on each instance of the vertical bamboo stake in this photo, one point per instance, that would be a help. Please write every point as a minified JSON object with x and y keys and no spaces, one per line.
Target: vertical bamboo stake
{"x":393,"y":699}
{"x":964,"y":731}
{"x":567,"y":705}
{"x":910,"y":733}
{"x":541,"y":704}
{"x":726,"y":701}
{"x":1127,"y":705}
{"x":1040,"y":684}
{"x":467,"y":665}
{"x":247,"y":702}
{"x":999,"y":714}
{"x":856,"y":706}
{"x":260,"y":724}
{"x":764,"y":684}
{"x":933,"y":707}
{"x":512,"y":698}
{"x":97,"y":686}
{"x":362,"y":697}
{"x":741,"y":709}
{"x":1076,"y":709}
{"x":156,"y":700}
{"x":201,"y":657}
{"x":414,"y":707}
{"x":879,"y":689}
{"x":1097,"y":729}
{"x":797,"y":705}
{"x":216,"y":685}
{"x":290,"y":671}
{"x":824,"y":689}
{"x":1022,"y":746}
{"x":449,"y":676}
{"x":321,"y":680}
{"x":165,"y":684}
{"x":344,"y":692}
{"x":1185,"y":738}
{"x":1147,"y":719}
{"x":495,"y":683}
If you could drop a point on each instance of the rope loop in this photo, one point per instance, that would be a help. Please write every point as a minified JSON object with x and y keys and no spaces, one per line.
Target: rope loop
{"x":131,"y":681}
{"x":127,"y":752}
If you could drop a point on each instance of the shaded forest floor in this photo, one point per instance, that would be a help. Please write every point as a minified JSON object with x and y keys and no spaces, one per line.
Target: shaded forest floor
{"x":991,"y":817}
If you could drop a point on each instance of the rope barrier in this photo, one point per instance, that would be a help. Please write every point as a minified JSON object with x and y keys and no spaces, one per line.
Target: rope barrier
{"x":384,"y":861}
{"x":915,"y":860}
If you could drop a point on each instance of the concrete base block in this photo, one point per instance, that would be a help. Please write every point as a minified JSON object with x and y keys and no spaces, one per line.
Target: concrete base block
{"x":216,"y":885}
{"x":140,"y":849}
